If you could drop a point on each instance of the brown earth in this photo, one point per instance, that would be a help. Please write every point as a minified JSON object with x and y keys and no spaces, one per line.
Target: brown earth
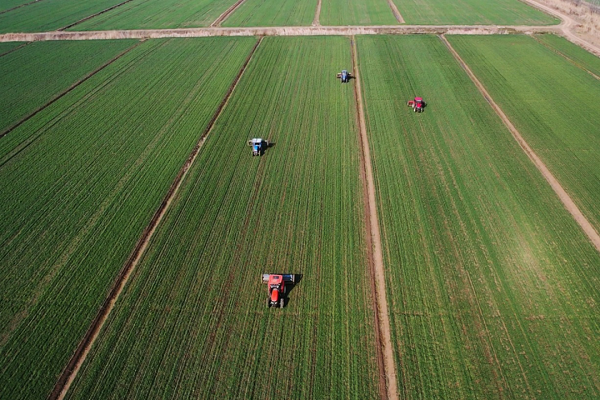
{"x":316,"y":20}
{"x":568,"y":203}
{"x":395,"y":11}
{"x":68,"y":375}
{"x":374,"y":250}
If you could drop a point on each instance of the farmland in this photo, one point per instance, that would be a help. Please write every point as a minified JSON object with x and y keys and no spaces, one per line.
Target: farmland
{"x":472,"y":12}
{"x":556,"y":116}
{"x":9,"y":4}
{"x":158,"y":14}
{"x":83,"y":190}
{"x":495,"y":286}
{"x":357,"y":12}
{"x":193,"y":321}
{"x":35,"y":74}
{"x":575,"y":53}
{"x":273,"y":13}
{"x":49,"y":15}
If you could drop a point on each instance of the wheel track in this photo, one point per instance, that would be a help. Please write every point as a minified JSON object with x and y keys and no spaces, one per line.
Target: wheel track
{"x":385,"y":352}
{"x":70,"y":372}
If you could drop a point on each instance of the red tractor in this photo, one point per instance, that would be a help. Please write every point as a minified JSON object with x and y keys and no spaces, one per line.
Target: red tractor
{"x":418,"y":105}
{"x":276,"y":286}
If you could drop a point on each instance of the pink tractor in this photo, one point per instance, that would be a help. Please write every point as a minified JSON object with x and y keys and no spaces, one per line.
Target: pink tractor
{"x":418,"y":105}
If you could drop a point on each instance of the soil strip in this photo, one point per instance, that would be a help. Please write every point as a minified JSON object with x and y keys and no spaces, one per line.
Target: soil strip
{"x":316,"y":20}
{"x":93,"y":15}
{"x":566,"y":57}
{"x":385,"y":353}
{"x":568,"y":203}
{"x":226,"y":14}
{"x":279,"y":31}
{"x":70,"y":372}
{"x":396,"y":11}
{"x":69,"y":89}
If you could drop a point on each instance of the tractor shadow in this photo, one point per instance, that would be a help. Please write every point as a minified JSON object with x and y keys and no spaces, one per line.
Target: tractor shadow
{"x":290,"y":287}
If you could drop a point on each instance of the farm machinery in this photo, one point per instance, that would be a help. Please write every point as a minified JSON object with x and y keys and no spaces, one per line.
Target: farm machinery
{"x":345,"y":76}
{"x":276,"y":284}
{"x":418,"y":105}
{"x":258,"y":146}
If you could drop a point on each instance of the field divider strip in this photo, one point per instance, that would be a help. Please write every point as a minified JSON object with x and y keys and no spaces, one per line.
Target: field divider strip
{"x":68,"y":90}
{"x":385,"y":352}
{"x":226,"y":14}
{"x":317,"y":18}
{"x":14,"y":49}
{"x":395,"y":11}
{"x":79,"y":356}
{"x":19,"y":6}
{"x":94,"y":15}
{"x":564,"y":197}
{"x":566,"y":57}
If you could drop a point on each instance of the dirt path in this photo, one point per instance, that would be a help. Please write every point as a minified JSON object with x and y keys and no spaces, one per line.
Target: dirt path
{"x":396,"y":11}
{"x":316,"y":20}
{"x":375,"y":250}
{"x":226,"y":14}
{"x":68,"y":375}
{"x":554,"y":183}
{"x":93,"y":15}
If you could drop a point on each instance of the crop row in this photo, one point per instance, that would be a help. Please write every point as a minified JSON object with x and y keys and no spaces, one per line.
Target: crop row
{"x":35,"y":74}
{"x":157,"y":14}
{"x":558,"y":117}
{"x":273,"y":13}
{"x":76,"y":199}
{"x":357,"y":12}
{"x":576,"y":54}
{"x":193,"y":321}
{"x":494,"y":285}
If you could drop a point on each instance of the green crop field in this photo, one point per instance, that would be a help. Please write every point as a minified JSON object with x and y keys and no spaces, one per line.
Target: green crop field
{"x":193,"y":321}
{"x":37,"y":73}
{"x":9,"y":4}
{"x":576,"y":54}
{"x":475,"y":12}
{"x":49,"y":15}
{"x":273,"y":13}
{"x":357,"y":12}
{"x":77,"y":197}
{"x":156,"y":14}
{"x":495,"y":287}
{"x":8,"y":47}
{"x":554,"y":105}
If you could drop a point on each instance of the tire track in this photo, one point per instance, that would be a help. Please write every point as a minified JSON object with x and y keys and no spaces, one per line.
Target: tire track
{"x":70,"y":372}
{"x":385,"y":353}
{"x":564,"y":197}
{"x":226,"y":14}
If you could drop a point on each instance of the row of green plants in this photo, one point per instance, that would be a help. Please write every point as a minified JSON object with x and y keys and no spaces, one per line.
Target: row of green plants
{"x":193,"y":321}
{"x":571,"y":51}
{"x":76,"y":200}
{"x":553,"y":104}
{"x":357,"y":12}
{"x":273,"y":13}
{"x":493,"y":286}
{"x":32,"y":76}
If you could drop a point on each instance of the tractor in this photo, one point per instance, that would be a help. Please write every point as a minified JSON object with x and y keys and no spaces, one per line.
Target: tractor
{"x":345,"y":76}
{"x":277,"y":289}
{"x":258,"y":146}
{"x":418,"y":105}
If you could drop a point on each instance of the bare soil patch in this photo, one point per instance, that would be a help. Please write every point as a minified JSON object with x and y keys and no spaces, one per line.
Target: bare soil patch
{"x":70,"y":372}
{"x":385,"y":353}
{"x":396,"y":11}
{"x":564,"y":197}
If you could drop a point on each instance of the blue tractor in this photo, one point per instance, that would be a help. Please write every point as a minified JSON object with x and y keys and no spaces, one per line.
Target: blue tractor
{"x":258,"y":146}
{"x":345,"y":76}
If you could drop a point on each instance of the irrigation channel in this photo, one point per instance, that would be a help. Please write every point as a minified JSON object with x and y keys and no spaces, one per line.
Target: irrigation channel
{"x":388,"y":376}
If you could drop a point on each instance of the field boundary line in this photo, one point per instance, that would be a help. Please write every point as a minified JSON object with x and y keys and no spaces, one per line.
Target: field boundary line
{"x":385,"y":353}
{"x":93,"y":15}
{"x":317,"y":18}
{"x":68,"y":90}
{"x":566,"y":57}
{"x":395,"y":11}
{"x":79,"y":356}
{"x":19,"y":6}
{"x":217,"y":22}
{"x":564,"y":197}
